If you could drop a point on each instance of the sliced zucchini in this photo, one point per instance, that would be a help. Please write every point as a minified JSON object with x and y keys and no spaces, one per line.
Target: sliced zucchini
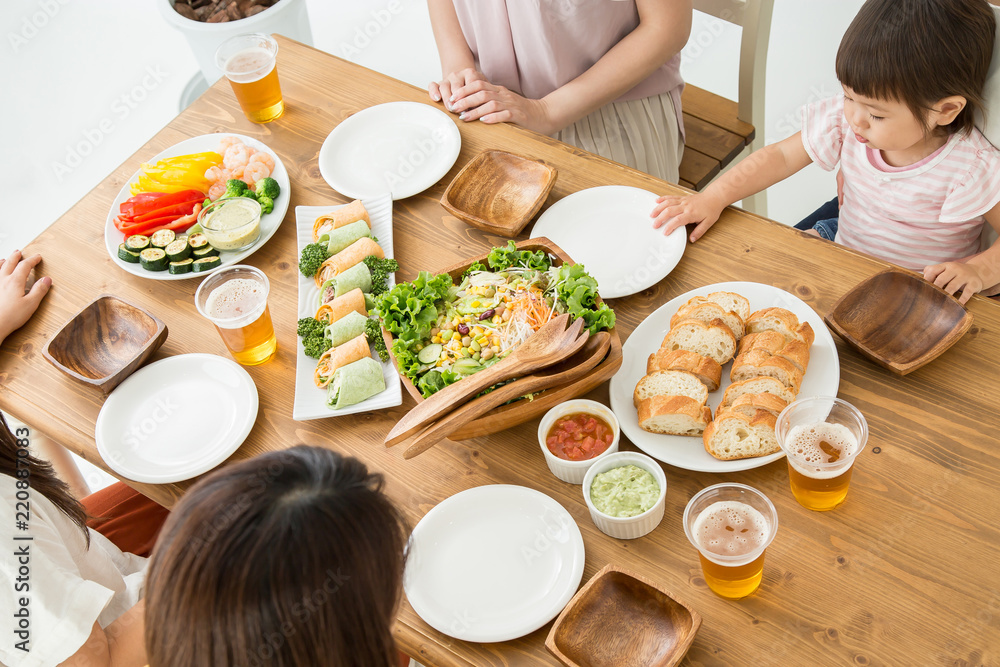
{"x":178,"y":250}
{"x":126,"y":255}
{"x":137,"y":242}
{"x":204,"y":251}
{"x":153,"y":259}
{"x":430,"y":354}
{"x":198,"y":240}
{"x":162,"y":238}
{"x":206,"y":263}
{"x":182,"y":266}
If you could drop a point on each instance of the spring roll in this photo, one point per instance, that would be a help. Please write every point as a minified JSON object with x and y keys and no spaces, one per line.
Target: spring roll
{"x":356,"y":277}
{"x":337,"y":307}
{"x":345,"y":236}
{"x":343,"y":216}
{"x":350,"y":256}
{"x":354,"y":383}
{"x":347,"y":328}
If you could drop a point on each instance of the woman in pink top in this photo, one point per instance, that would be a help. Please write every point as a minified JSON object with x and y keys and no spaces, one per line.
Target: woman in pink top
{"x":603,"y":75}
{"x":919,"y":180}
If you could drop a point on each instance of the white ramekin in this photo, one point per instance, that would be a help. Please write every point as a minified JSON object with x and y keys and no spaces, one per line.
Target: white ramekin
{"x":573,"y":471}
{"x":627,"y":528}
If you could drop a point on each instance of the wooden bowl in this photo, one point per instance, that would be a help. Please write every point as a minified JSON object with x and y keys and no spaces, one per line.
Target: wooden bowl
{"x":899,"y":320}
{"x":499,"y":192}
{"x":105,"y":342}
{"x":518,"y":412}
{"x":622,"y":618}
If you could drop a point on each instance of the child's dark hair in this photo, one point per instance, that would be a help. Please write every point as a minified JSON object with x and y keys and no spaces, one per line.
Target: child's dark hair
{"x":918,"y":52}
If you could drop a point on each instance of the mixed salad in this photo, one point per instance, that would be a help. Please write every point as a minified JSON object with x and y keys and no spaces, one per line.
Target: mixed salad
{"x":444,"y":332}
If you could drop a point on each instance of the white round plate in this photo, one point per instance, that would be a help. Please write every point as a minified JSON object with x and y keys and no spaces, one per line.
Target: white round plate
{"x":493,"y":563}
{"x":207,"y":142}
{"x":822,"y":377}
{"x":176,"y":418}
{"x":399,"y":147}
{"x":609,"y":231}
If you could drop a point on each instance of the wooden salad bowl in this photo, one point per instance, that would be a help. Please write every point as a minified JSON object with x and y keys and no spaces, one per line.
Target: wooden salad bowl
{"x":518,"y":412}
{"x":622,"y":618}
{"x":499,"y":192}
{"x":105,"y":342}
{"x":899,"y":320}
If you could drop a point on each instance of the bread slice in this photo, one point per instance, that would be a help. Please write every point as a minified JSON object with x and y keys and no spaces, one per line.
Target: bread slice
{"x":736,"y":436}
{"x":730,"y":301}
{"x":712,"y":339}
{"x":795,"y":351}
{"x":783,"y":321}
{"x":707,"y":370}
{"x":756,"y":363}
{"x":670,"y":383}
{"x":749,"y":404}
{"x":708,"y":311}
{"x":673,"y":415}
{"x":757,"y":385}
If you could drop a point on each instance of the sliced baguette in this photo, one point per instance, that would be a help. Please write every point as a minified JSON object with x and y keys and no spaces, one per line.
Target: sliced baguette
{"x":705,"y":369}
{"x":713,"y":339}
{"x":737,"y":436}
{"x":730,"y":301}
{"x":708,"y":311}
{"x":795,"y":351}
{"x":756,"y":363}
{"x":757,"y":385}
{"x":673,"y":415}
{"x":670,"y":383}
{"x":749,"y":404}
{"x":783,"y":321}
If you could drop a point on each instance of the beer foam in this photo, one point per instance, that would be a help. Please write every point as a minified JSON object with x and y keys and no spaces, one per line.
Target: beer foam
{"x":731,"y":528}
{"x":239,"y":301}
{"x":806,"y":454}
{"x":249,"y":65}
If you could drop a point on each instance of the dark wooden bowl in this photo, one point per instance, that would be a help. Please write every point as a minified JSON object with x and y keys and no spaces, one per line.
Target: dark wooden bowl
{"x":499,"y":192}
{"x":899,"y":320}
{"x":620,"y":618}
{"x":105,"y":342}
{"x":518,"y":412}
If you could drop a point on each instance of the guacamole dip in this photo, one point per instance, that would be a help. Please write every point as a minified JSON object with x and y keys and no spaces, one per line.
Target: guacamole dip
{"x":624,"y":491}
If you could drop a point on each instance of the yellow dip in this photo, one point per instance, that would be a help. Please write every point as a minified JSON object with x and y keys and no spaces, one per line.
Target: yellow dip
{"x":232,"y":224}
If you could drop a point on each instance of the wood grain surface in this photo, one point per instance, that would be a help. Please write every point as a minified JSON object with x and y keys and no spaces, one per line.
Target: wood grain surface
{"x":905,"y":573}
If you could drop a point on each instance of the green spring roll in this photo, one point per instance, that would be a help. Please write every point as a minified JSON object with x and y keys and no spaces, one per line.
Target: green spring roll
{"x":347,"y":327}
{"x":346,"y":235}
{"x":354,"y":383}
{"x":358,"y":276}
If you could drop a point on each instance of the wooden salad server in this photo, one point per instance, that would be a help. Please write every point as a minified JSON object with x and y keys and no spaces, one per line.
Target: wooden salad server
{"x":576,"y":366}
{"x":547,"y":346}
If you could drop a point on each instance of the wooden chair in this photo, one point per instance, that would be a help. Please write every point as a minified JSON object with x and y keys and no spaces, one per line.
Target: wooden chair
{"x":719,"y":130}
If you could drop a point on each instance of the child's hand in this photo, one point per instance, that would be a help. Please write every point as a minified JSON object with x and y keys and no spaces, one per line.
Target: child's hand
{"x":17,"y":303}
{"x":953,"y":276}
{"x":672,"y":212}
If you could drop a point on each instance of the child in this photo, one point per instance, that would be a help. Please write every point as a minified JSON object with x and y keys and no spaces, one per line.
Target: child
{"x":919,"y":179}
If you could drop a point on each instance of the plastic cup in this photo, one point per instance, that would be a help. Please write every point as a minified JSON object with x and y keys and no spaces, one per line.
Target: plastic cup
{"x":250,"y":63}
{"x":235,"y":301}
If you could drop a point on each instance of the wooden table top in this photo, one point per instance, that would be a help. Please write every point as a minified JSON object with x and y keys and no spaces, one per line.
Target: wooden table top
{"x":905,"y":573}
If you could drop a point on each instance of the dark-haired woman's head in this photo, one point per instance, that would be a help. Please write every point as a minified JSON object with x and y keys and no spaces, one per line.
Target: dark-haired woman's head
{"x":290,"y":558}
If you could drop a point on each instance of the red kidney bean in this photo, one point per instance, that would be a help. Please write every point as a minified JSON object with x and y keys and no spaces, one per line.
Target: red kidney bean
{"x":463,"y":328}
{"x":487,"y":315}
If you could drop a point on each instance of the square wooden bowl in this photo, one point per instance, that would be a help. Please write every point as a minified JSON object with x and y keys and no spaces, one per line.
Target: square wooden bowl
{"x":622,"y":618}
{"x":499,"y":192}
{"x":105,"y":342}
{"x":518,"y":412}
{"x":899,"y":320}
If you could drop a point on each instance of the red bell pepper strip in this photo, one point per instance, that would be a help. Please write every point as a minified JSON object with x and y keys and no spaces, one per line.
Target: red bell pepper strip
{"x":176,"y":209}
{"x":183,"y":223}
{"x":171,"y":222}
{"x":140,"y":204}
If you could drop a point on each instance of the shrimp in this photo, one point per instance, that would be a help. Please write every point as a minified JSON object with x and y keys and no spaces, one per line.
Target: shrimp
{"x":226,"y":142}
{"x":235,"y":156}
{"x":213,"y":173}
{"x":255,"y":171}
{"x":236,"y":172}
{"x":264,"y":159}
{"x":217,"y":190}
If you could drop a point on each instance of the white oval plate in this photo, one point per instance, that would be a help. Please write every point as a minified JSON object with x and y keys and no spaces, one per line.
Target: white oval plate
{"x":176,"y":418}
{"x":399,"y":147}
{"x":493,"y":563}
{"x":822,"y":376}
{"x":206,"y":142}
{"x":608,"y":230}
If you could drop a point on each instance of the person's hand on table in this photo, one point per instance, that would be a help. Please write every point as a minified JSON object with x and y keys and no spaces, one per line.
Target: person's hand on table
{"x":481,"y":100}
{"x":17,"y":302}
{"x":954,"y":276}
{"x":444,"y":90}
{"x":672,"y":212}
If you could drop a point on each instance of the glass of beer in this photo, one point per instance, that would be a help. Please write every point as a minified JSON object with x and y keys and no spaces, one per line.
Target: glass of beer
{"x":235,"y":300}
{"x":250,"y":63}
{"x":731,"y":525}
{"x":821,"y":437}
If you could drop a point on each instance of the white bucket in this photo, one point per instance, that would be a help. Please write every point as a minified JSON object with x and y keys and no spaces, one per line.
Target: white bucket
{"x":286,"y":17}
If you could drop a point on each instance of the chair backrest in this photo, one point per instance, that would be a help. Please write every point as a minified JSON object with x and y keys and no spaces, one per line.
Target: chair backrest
{"x":990,"y":125}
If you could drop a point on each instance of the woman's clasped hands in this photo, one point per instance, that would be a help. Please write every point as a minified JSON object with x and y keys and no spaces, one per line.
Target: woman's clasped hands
{"x":472,"y":97}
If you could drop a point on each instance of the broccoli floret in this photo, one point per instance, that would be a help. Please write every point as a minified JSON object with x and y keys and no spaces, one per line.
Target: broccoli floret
{"x":373,"y":330}
{"x":380,"y":268}
{"x":316,"y":346}
{"x":309,"y":327}
{"x":267,"y":187}
{"x":266,"y":203}
{"x":313,"y":255}
{"x":314,"y":340}
{"x":236,"y":188}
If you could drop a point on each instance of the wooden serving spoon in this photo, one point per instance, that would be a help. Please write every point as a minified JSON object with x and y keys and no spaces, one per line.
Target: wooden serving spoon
{"x":569,"y":370}
{"x":547,"y":346}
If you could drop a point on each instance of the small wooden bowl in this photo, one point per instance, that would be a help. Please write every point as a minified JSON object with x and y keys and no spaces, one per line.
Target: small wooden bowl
{"x":518,"y":412}
{"x":105,"y":342}
{"x":899,"y":320}
{"x":622,"y":618}
{"x":499,"y":192}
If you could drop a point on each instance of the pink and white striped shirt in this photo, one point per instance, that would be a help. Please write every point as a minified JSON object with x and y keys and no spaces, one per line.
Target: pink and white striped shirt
{"x":914,"y":216}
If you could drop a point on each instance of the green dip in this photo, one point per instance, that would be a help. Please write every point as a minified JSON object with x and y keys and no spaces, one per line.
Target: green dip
{"x":624,"y":491}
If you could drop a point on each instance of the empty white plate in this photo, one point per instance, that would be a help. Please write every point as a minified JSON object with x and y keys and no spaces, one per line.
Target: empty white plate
{"x":399,"y":147}
{"x":609,"y":231}
{"x":176,"y":418}
{"x":493,"y":563}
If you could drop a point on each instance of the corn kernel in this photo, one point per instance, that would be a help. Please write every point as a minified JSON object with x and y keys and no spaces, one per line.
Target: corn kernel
{"x":496,"y":319}
{"x":477,"y":331}
{"x":475,"y":304}
{"x":496,"y":341}
{"x":496,"y":349}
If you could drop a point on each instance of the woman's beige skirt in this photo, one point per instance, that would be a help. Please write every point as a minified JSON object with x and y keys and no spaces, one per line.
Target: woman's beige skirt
{"x":642,"y":133}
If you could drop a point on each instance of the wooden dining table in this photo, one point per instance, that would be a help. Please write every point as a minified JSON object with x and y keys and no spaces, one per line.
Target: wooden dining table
{"x":906,"y":572}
